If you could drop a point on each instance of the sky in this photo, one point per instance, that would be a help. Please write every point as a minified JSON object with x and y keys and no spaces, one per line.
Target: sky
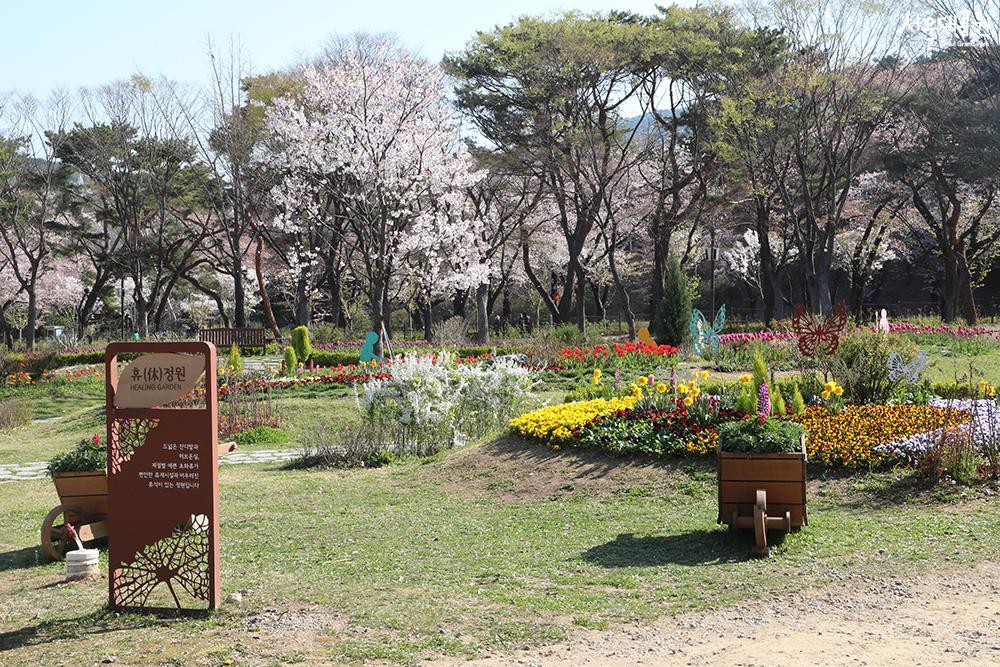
{"x":51,"y":44}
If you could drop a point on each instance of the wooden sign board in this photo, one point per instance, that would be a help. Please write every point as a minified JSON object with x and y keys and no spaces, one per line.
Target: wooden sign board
{"x":163,"y":482}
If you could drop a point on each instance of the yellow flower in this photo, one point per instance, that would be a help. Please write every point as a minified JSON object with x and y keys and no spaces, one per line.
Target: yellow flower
{"x":695,"y":392}
{"x":661,"y":388}
{"x":683,"y":389}
{"x":825,"y":394}
{"x":704,"y":375}
{"x":829,"y":386}
{"x":688,"y":400}
{"x":643,"y":380}
{"x":746,"y":378}
{"x":838,"y":390}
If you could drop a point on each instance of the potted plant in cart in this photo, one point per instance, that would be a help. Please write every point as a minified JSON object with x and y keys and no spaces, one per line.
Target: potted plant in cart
{"x":762,"y":474}
{"x":81,"y":480}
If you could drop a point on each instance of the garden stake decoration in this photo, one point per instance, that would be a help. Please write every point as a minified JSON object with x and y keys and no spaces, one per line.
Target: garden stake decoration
{"x":900,"y":370}
{"x":645,"y":338}
{"x":704,"y":334}
{"x":815,"y":335}
{"x":883,"y":321}
{"x":368,"y":348}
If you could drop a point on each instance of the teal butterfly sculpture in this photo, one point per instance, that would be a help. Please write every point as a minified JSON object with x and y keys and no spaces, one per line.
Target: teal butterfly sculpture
{"x":704,"y":335}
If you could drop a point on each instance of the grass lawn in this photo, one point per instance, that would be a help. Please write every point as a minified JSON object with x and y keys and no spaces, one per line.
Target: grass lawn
{"x":492,"y":547}
{"x":487,"y":548}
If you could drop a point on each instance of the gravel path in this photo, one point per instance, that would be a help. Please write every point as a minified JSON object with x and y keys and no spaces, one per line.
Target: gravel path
{"x":21,"y":472}
{"x":933,"y":619}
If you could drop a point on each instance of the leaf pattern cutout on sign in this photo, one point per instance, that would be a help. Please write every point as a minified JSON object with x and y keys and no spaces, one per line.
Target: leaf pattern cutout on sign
{"x":179,"y":561}
{"x":127,"y":435}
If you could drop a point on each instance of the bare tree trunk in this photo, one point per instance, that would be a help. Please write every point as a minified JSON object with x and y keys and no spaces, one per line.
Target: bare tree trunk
{"x":264,"y":299}
{"x":482,"y":314}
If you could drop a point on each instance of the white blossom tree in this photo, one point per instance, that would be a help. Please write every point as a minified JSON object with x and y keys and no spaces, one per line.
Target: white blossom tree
{"x":371,"y":141}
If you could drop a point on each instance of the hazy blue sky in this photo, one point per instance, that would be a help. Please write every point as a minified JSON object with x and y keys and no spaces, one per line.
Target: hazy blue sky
{"x":57,"y":43}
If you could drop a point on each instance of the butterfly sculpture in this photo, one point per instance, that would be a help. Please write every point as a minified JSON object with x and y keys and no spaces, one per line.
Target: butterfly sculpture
{"x":645,"y":338}
{"x":704,"y":335}
{"x":815,"y":335}
{"x":900,"y":370}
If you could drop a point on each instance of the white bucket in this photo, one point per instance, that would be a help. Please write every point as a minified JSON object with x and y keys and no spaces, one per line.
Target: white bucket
{"x":82,"y":564}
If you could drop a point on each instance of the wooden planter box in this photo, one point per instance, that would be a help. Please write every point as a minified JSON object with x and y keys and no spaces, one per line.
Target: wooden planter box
{"x":83,"y":501}
{"x":87,"y":491}
{"x":781,"y":478}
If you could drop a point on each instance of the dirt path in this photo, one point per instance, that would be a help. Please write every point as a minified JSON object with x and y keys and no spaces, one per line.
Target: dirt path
{"x":935,"y":619}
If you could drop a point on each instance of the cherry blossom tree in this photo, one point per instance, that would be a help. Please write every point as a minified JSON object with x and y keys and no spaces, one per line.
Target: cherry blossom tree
{"x":30,"y":195}
{"x":372,"y":141}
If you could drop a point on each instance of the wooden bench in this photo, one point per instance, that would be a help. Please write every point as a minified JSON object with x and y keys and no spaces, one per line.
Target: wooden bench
{"x":225,"y":338}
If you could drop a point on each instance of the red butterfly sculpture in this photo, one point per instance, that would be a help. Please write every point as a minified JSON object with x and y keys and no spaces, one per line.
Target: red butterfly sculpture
{"x":813,"y":334}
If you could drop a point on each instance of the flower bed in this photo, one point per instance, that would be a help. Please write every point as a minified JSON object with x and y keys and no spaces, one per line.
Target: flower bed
{"x":629,"y":355}
{"x":556,"y":424}
{"x":938,"y":329}
{"x":857,"y":435}
{"x":983,"y":425}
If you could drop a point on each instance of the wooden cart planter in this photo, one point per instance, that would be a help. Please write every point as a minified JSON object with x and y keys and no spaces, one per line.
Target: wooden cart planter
{"x":83,"y":502}
{"x":763,"y":492}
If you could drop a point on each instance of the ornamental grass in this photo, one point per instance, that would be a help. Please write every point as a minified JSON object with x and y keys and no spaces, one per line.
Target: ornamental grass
{"x":855,"y":436}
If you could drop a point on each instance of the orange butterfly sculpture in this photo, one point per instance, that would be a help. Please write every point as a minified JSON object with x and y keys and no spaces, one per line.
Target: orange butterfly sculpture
{"x":813,"y":334}
{"x":644,"y":337}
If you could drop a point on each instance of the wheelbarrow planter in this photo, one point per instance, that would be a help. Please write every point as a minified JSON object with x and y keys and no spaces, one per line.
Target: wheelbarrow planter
{"x":763,"y":492}
{"x":83,"y":502}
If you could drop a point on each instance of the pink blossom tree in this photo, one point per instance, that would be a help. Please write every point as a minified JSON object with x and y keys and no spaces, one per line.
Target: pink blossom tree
{"x":371,"y":141}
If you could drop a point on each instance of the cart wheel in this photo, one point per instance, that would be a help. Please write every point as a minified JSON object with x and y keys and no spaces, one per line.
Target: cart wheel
{"x":55,"y":540}
{"x":788,"y":522}
{"x":760,"y":525}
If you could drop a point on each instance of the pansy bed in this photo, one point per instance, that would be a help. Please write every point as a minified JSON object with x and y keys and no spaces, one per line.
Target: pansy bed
{"x":856,"y":436}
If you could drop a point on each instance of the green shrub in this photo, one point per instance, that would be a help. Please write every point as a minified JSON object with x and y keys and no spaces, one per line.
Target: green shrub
{"x":798,"y":403}
{"x":759,"y":369}
{"x":14,"y":412}
{"x":861,"y":361}
{"x":89,"y":455}
{"x":261,"y":435}
{"x":300,"y":341}
{"x":778,"y":401}
{"x":774,"y":436}
{"x":291,"y":360}
{"x":569,"y":334}
{"x":746,"y":401}
{"x":673,"y":317}
{"x":235,"y":360}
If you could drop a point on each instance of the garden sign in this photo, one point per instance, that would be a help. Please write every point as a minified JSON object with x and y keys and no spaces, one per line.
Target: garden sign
{"x":163,"y":485}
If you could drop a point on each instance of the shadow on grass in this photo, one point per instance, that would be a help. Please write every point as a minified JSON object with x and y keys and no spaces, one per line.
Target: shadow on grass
{"x":590,"y":462}
{"x":21,"y":559}
{"x":697,"y":547}
{"x":79,"y":627}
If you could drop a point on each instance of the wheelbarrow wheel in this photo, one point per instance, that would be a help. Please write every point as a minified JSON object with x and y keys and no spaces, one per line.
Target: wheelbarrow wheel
{"x":55,"y":539}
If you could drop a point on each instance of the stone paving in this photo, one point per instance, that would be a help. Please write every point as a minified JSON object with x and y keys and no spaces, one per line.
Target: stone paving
{"x":20,"y":472}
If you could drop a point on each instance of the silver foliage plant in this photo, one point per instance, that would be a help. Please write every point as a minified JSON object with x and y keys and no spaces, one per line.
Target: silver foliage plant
{"x":431,"y":397}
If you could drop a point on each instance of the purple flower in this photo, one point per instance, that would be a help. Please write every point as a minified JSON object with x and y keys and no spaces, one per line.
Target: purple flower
{"x":763,"y":401}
